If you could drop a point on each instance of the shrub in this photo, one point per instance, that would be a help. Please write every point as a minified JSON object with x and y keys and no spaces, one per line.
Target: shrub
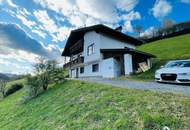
{"x":13,"y":89}
{"x":33,"y":86}
{"x":57,"y":75}
{"x":47,"y":72}
{"x":3,"y":87}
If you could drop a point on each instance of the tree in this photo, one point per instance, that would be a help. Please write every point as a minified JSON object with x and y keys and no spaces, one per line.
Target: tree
{"x":167,"y":23}
{"x":138,"y":29}
{"x":3,"y":84}
{"x":167,"y":27}
{"x":48,"y":72}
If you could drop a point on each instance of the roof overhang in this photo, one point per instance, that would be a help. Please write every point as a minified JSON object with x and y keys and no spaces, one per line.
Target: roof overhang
{"x":127,"y":51}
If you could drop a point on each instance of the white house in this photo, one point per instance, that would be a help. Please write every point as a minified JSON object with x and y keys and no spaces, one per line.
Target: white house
{"x":99,"y":51}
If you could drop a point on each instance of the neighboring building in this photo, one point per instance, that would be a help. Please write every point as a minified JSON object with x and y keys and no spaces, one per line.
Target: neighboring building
{"x":99,"y":51}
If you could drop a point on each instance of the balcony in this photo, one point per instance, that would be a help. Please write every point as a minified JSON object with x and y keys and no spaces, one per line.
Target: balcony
{"x":79,"y":60}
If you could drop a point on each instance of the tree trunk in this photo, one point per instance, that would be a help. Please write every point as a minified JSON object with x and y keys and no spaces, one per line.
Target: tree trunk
{"x":45,"y":87}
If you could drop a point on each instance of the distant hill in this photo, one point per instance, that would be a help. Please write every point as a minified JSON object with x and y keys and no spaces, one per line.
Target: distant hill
{"x":8,"y":76}
{"x":4,"y":77}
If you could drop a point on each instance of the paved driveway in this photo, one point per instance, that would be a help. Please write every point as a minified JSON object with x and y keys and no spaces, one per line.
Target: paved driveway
{"x":182,"y":89}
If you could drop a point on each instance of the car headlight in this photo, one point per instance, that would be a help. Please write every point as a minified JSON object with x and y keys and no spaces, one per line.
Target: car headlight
{"x":184,"y":74}
{"x":157,"y":73}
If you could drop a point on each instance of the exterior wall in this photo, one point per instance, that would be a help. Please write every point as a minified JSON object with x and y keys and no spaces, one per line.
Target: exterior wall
{"x":110,"y":68}
{"x":149,"y":63}
{"x":107,"y":42}
{"x":128,"y":64}
{"x":100,"y":41}
{"x":107,"y":68}
{"x":72,"y":73}
{"x":90,"y":38}
{"x":88,"y":71}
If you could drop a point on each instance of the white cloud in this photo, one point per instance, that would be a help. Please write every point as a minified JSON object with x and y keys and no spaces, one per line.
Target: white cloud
{"x":17,"y":61}
{"x":22,"y":14}
{"x":84,"y":12}
{"x":63,"y":6}
{"x":18,"y":40}
{"x":148,"y":32}
{"x":161,"y":8}
{"x":131,"y":16}
{"x":18,"y":51}
{"x":48,"y":24}
{"x":185,"y":1}
{"x":10,"y":3}
{"x":78,"y":19}
{"x":40,"y":33}
{"x":62,"y":33}
{"x":25,"y":21}
{"x":128,"y":27}
{"x":97,"y":9}
{"x":24,"y":56}
{"x":126,"y":5}
{"x":128,"y":17}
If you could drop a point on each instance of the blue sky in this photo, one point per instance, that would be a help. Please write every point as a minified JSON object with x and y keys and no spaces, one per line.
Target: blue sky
{"x":33,"y":28}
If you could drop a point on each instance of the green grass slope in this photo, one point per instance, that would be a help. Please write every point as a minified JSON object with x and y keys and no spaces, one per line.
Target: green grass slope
{"x":171,"y":48}
{"x":19,"y":81}
{"x":78,"y":105}
{"x":165,"y":50}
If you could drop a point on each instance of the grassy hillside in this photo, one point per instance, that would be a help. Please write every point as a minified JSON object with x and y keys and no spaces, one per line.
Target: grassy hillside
{"x":78,"y":105}
{"x":165,"y":50}
{"x":19,"y":81}
{"x":171,"y":48}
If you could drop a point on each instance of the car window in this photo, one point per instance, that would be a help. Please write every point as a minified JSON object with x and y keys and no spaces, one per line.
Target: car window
{"x":173,"y":64}
{"x":187,"y":64}
{"x":178,"y":64}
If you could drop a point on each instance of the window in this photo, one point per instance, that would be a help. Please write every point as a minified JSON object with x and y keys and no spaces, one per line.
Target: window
{"x":90,"y":50}
{"x":95,"y":68}
{"x":81,"y":70}
{"x":178,"y":64}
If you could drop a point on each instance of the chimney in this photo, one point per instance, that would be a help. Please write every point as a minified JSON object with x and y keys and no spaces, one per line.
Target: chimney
{"x":119,"y":29}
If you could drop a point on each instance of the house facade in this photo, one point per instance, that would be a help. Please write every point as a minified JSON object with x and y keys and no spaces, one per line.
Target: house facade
{"x":99,"y":51}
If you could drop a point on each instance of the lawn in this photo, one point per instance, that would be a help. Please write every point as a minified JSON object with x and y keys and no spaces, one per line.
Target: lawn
{"x":79,"y":105}
{"x":165,"y":50}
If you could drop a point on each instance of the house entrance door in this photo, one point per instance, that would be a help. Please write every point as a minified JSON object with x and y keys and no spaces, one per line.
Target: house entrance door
{"x":120,"y":62}
{"x":77,"y":72}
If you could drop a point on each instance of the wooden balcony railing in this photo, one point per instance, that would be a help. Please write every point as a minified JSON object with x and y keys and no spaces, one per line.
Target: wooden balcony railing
{"x":74,"y":62}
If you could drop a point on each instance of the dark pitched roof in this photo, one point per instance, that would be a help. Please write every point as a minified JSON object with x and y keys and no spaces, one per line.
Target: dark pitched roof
{"x":78,"y":34}
{"x":127,"y":51}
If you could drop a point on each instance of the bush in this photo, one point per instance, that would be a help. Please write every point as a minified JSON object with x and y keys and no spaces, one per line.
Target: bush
{"x":57,"y":75}
{"x":33,"y":86}
{"x":13,"y":89}
{"x":2,"y":87}
{"x":46,"y":72}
